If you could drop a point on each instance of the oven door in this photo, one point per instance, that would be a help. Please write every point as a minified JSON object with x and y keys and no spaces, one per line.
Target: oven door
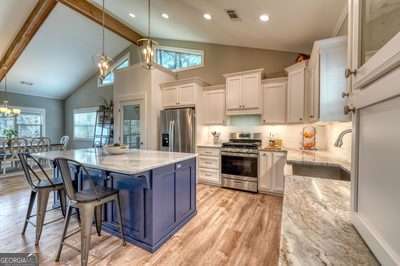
{"x":239,"y":166}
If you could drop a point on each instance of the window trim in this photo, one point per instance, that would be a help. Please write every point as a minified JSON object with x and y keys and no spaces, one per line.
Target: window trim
{"x":182,"y":50}
{"x":80,"y":110}
{"x":113,"y":68}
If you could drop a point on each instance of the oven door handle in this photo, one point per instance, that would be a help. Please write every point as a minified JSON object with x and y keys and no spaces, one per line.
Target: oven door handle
{"x":247,"y":155}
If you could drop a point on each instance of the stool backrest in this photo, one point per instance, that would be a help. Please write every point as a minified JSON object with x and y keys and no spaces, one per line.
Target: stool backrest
{"x":28,"y":171}
{"x":63,"y":165}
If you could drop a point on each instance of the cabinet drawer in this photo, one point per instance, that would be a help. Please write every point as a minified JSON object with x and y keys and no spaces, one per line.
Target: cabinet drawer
{"x":209,"y":162}
{"x":208,"y":152}
{"x":209,"y":175}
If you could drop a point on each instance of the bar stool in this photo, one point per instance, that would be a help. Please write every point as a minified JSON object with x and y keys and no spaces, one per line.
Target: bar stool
{"x":41,"y":188}
{"x":89,"y":202}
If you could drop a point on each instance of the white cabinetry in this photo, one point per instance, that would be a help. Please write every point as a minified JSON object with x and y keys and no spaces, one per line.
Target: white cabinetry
{"x":243,"y":92}
{"x":271,"y":177}
{"x":213,"y":105}
{"x":274,"y":100}
{"x":327,"y":81}
{"x":181,"y":93}
{"x":295,"y":92}
{"x":209,"y":165}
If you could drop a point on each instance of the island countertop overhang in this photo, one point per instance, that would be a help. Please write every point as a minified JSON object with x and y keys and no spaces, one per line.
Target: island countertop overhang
{"x":131,"y":163}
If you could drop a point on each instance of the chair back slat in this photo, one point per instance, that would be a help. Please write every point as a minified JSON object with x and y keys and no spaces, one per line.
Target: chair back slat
{"x":23,"y":157}
{"x":63,"y":166}
{"x":41,"y":144}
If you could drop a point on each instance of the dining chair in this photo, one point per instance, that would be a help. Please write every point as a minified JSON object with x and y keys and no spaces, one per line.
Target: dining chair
{"x":11,"y":159}
{"x":4,"y":154}
{"x":89,"y":202}
{"x":41,"y":187}
{"x":64,"y":140}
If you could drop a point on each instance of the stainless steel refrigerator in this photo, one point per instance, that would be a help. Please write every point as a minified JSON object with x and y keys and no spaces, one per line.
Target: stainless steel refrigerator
{"x":177,"y":130}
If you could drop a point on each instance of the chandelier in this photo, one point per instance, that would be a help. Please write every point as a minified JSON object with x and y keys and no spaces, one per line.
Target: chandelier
{"x":104,"y":63}
{"x":146,"y":45}
{"x":5,"y":110}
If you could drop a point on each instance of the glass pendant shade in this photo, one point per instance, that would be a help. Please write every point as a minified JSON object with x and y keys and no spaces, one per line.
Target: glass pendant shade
{"x":104,"y":66}
{"x":146,"y":46}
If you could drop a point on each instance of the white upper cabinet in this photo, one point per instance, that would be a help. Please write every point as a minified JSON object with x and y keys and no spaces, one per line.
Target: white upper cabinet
{"x":213,"y":105}
{"x":181,"y":93}
{"x":295,"y":92}
{"x":374,"y":78}
{"x":326,"y":84}
{"x":243,"y":92}
{"x":274,"y":100}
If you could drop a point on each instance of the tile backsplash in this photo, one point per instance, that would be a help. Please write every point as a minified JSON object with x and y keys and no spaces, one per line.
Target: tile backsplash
{"x":291,"y":134}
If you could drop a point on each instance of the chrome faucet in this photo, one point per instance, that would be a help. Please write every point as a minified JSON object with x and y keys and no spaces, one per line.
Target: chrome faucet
{"x":339,"y":141}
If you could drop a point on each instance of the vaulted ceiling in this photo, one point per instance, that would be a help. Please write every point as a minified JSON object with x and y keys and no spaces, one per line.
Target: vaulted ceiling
{"x":61,"y":55}
{"x":293,"y":26}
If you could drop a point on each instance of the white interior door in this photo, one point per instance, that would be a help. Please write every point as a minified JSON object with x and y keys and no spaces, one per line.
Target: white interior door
{"x":133,"y":124}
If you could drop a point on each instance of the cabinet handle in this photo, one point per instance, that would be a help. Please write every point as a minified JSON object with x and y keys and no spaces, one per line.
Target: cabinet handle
{"x":345,"y":94}
{"x":178,"y":165}
{"x":348,"y":109}
{"x":311,"y":116}
{"x":301,"y":119}
{"x":348,"y":72}
{"x":177,"y":103}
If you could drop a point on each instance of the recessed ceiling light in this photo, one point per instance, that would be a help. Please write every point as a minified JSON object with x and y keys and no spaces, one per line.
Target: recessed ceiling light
{"x":207,"y":16}
{"x":165,"y":15}
{"x":264,"y":17}
{"x":132,"y":15}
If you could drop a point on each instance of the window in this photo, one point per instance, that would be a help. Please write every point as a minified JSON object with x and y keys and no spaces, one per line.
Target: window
{"x":179,"y":59}
{"x":84,"y":120}
{"x":29,"y":124}
{"x":120,"y":64}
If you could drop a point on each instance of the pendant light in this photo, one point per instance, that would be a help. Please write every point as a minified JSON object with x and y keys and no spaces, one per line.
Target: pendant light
{"x":6,"y":111}
{"x":147,"y":45}
{"x":104,"y":63}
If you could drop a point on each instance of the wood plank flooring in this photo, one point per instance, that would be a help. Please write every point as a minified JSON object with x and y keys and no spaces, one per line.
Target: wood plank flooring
{"x":231,"y":228}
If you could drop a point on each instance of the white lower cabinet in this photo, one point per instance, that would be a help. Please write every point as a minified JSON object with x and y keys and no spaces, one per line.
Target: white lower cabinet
{"x":209,"y":165}
{"x":271,"y":177}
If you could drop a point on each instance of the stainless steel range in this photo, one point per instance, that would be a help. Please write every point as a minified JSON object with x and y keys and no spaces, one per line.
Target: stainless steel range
{"x":239,"y":161}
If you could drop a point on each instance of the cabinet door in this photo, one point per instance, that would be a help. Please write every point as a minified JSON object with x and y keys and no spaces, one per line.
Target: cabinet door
{"x":278,"y":181}
{"x":312,"y":88}
{"x":265,"y":172}
{"x":295,"y":107}
{"x":251,"y":91}
{"x":183,"y":184}
{"x":169,"y":96}
{"x":233,"y":93}
{"x":186,"y":94}
{"x":274,"y":109}
{"x":214,"y":111}
{"x":132,"y":197}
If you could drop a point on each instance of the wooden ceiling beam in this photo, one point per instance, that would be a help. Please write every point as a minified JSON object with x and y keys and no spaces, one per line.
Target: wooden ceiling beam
{"x":36,"y":18}
{"x":94,"y":13}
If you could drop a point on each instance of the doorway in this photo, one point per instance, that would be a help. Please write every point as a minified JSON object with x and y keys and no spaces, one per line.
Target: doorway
{"x":132,"y":123}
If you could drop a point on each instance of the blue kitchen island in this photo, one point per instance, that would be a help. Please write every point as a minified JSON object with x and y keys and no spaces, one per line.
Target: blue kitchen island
{"x":157,"y":190}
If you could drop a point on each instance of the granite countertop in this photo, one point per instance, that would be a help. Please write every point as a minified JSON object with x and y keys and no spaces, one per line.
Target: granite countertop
{"x":210,"y":145}
{"x":316,"y":225}
{"x":133,"y":162}
{"x":323,"y":158}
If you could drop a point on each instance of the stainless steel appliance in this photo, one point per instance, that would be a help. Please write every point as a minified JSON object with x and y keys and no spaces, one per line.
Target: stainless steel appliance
{"x":177,"y":130}
{"x":239,"y":161}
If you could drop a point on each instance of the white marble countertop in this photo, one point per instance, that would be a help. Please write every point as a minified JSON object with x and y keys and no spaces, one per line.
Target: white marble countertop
{"x":133,"y":162}
{"x":316,"y":158}
{"x":316,"y":225}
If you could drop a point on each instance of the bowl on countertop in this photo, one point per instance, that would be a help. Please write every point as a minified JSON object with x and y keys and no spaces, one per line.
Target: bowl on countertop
{"x":115,"y":150}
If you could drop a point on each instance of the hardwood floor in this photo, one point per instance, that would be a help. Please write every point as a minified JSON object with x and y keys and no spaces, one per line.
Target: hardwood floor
{"x":231,"y":228}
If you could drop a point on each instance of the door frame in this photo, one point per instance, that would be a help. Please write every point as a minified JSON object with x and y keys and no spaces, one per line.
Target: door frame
{"x":141,"y":103}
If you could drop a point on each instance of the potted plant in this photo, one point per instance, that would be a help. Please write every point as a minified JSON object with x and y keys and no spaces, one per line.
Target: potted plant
{"x":10,"y":134}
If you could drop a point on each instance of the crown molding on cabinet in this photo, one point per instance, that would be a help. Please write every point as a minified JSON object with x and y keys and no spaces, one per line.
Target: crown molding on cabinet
{"x":244,"y":72}
{"x":196,"y":80}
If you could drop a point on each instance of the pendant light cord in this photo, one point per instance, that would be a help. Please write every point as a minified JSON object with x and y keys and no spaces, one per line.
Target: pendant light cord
{"x":103,"y":31}
{"x":148,"y":21}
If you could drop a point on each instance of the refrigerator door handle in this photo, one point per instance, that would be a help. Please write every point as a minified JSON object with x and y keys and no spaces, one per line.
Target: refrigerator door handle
{"x":170,"y":136}
{"x":173,"y":135}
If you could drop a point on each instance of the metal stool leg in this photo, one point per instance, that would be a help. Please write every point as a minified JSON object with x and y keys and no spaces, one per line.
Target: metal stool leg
{"x":29,"y":211}
{"x":87,"y":213}
{"x":66,"y":223}
{"x":63,"y":200}
{"x":121,"y":226}
{"x":43,"y":197}
{"x":99,"y":218}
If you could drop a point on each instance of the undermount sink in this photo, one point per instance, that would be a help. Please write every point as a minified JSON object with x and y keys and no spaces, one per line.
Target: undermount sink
{"x":321,"y":171}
